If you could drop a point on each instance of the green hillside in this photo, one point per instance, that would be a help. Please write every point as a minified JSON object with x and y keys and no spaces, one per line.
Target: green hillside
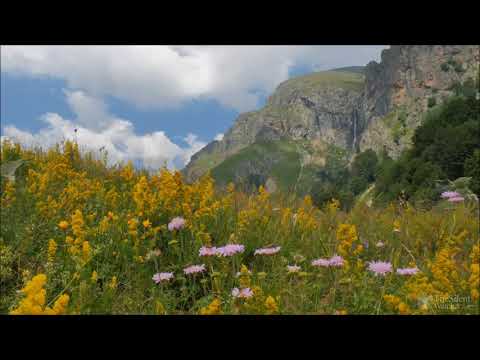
{"x":280,"y":161}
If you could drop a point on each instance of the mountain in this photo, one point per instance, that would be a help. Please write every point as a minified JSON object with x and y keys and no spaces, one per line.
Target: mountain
{"x":345,"y":110}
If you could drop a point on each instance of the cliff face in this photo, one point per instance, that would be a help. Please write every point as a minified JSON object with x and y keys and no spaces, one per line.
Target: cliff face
{"x":399,"y":89}
{"x":318,"y":106}
{"x":378,"y":109}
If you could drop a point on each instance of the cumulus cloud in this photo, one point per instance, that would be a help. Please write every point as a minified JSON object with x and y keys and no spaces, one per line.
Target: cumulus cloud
{"x":94,"y":128}
{"x":167,"y":76}
{"x":218,"y":137}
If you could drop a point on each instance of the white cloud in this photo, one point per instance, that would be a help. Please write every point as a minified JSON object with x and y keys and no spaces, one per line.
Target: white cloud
{"x":167,"y":76}
{"x":194,"y":145}
{"x":218,"y":137}
{"x":96,"y":129}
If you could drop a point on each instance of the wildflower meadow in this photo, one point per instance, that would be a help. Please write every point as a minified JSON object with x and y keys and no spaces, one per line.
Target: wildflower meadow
{"x":81,"y":236}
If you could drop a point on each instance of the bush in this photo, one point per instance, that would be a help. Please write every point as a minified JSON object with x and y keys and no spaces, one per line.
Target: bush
{"x":472,"y":169}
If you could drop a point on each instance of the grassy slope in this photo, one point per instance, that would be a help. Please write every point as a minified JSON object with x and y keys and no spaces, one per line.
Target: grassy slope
{"x":311,"y":82}
{"x":285,"y":169}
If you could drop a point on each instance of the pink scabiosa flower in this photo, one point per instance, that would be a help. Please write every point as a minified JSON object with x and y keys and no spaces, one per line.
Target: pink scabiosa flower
{"x":193,"y":269}
{"x":407,"y":271}
{"x":230,"y":250}
{"x":176,"y":223}
{"x":380,"y":267}
{"x":321,"y":262}
{"x":267,"y":251}
{"x":449,"y":194}
{"x":456,"y":199}
{"x":207,"y":251}
{"x":242,"y":293}
{"x":336,"y":261}
{"x":161,"y":277}
{"x":293,"y":268}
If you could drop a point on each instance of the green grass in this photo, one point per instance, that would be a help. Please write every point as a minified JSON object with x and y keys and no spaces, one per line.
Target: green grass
{"x":284,"y":170}
{"x":311,"y":82}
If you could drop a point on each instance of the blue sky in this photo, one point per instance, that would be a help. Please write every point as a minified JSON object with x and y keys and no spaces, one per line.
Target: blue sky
{"x":153,"y":105}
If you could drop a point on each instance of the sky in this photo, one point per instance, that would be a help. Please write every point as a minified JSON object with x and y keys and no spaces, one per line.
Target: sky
{"x":154,"y":105}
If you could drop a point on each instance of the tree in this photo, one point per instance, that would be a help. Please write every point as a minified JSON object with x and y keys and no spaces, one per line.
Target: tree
{"x":365,"y":165}
{"x":472,"y":169}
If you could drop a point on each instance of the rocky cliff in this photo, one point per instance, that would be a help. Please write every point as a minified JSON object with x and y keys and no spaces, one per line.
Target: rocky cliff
{"x":355,"y":109}
{"x":408,"y":80}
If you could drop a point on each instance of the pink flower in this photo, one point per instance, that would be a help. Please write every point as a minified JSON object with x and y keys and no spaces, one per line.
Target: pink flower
{"x":267,"y":251}
{"x":321,"y":262}
{"x":380,"y":267}
{"x":159,"y":277}
{"x":230,"y":250}
{"x":407,"y":271}
{"x":456,"y":199}
{"x":336,"y":261}
{"x":194,"y":269}
{"x":293,"y":268}
{"x":449,"y":194}
{"x":207,"y":251}
{"x":242,"y":293}
{"x":176,"y":224}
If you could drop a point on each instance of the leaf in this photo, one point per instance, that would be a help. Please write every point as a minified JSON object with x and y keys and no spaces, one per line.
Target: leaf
{"x":462,"y":182}
{"x":9,"y":168}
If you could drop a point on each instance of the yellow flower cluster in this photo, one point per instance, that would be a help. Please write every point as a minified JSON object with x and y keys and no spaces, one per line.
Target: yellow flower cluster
{"x":444,"y":270}
{"x":396,"y":303}
{"x":8,"y":195}
{"x":214,"y":308}
{"x":474,"y":279}
{"x":35,"y":298}
{"x":52,"y":249}
{"x":346,"y":237}
{"x":271,"y":305}
{"x":305,"y":218}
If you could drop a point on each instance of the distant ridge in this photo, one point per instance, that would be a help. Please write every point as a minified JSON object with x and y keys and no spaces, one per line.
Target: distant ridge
{"x":352,"y":69}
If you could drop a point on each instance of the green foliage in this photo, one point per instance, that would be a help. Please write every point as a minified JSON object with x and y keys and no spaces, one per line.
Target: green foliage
{"x":432,"y":102}
{"x":336,"y":181}
{"x":444,"y":67}
{"x":336,"y":163}
{"x":443,"y":148}
{"x":365,"y":165}
{"x":472,"y":169}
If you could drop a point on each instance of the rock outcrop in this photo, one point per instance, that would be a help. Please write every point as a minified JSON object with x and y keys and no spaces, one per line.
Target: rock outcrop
{"x":378,"y":106}
{"x":409,"y":79}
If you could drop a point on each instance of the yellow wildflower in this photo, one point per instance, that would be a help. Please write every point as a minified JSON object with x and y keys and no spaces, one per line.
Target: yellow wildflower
{"x":52,"y":248}
{"x":213,"y":308}
{"x":396,"y":226}
{"x":147,"y":224}
{"x":63,"y":225}
{"x":271,"y":305}
{"x":86,"y":251}
{"x":113,"y":283}
{"x":403,"y":308}
{"x":35,"y":298}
